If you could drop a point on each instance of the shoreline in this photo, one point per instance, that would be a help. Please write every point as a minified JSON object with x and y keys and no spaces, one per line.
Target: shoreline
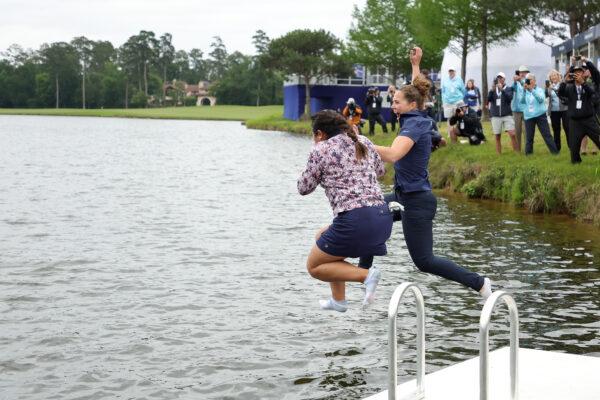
{"x":540,"y":183}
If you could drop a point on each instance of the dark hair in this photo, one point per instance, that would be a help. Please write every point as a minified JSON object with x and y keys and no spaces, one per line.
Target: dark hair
{"x":412,"y":93}
{"x":423,"y":85}
{"x":333,"y":123}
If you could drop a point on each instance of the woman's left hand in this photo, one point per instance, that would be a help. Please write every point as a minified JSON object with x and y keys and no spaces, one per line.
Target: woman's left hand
{"x":415,"y":56}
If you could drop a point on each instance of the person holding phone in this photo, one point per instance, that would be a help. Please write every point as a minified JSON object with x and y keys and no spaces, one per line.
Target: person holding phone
{"x":517,"y":104}
{"x":534,"y":104}
{"x":557,"y":109}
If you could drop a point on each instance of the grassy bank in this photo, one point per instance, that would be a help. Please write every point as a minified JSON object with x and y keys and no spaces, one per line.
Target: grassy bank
{"x":221,"y":113}
{"x":540,"y":183}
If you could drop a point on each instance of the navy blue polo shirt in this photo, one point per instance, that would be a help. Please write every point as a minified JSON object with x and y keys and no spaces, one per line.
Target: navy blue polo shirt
{"x":411,"y":174}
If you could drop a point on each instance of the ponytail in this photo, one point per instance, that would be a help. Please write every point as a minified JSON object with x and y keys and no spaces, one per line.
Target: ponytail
{"x":333,"y":123}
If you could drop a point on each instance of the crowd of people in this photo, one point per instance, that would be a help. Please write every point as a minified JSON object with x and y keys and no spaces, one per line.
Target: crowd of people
{"x":571,"y":103}
{"x":516,"y":105}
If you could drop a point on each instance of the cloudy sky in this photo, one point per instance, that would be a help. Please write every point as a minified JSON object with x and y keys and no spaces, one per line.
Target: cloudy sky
{"x":193,"y":23}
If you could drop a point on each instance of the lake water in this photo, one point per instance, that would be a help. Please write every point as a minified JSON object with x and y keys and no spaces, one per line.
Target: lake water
{"x":144,"y":259}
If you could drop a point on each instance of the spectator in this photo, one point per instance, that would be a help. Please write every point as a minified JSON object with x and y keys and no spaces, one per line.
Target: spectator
{"x":582,"y":101}
{"x":466,"y":123}
{"x":590,"y":73}
{"x":517,"y":102}
{"x":499,"y":99}
{"x":558,"y":110}
{"x":534,"y":104}
{"x":453,"y":92}
{"x":473,"y":97}
{"x":353,"y":113}
{"x":390,"y":99}
{"x":431,"y":99}
{"x":373,"y":103}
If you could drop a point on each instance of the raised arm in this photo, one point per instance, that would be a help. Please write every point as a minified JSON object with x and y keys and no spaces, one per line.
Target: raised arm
{"x":415,"y":59}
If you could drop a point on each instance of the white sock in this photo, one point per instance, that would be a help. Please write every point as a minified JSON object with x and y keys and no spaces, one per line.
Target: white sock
{"x":331,"y":304}
{"x":486,"y":289}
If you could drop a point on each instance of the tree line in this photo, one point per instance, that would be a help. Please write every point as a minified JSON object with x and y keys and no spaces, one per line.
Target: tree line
{"x":85,"y":73}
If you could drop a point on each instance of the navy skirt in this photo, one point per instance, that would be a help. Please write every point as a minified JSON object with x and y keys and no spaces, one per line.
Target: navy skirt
{"x":359,"y":232}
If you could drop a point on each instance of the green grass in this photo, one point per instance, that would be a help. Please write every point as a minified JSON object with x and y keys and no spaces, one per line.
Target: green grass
{"x":540,"y":182}
{"x":223,"y":113}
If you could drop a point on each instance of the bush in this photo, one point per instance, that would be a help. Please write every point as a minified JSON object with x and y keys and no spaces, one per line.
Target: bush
{"x":139,"y":100}
{"x":189,"y":101}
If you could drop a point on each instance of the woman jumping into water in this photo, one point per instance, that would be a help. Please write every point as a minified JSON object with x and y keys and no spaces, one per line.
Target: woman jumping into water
{"x":347,"y":167}
{"x":410,"y":154}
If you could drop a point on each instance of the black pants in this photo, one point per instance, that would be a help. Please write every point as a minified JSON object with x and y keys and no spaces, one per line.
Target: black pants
{"x":393,"y":122}
{"x":417,"y":224}
{"x":373,"y":119}
{"x":542,"y":123}
{"x":578,"y":128}
{"x":556,"y":117}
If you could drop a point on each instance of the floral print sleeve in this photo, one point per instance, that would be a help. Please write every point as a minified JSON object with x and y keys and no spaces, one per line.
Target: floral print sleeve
{"x":374,"y":157}
{"x":311,"y":177}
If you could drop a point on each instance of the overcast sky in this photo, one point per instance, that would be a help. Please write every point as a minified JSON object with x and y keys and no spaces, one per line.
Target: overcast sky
{"x":192,"y":23}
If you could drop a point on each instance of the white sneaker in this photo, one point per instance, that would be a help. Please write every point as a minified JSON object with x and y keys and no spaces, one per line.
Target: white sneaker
{"x":370,"y":285}
{"x":486,"y":289}
{"x":331,"y":304}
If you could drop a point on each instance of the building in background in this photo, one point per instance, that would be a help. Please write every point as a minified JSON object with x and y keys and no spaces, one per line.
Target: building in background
{"x":586,"y":44}
{"x":332,"y":93}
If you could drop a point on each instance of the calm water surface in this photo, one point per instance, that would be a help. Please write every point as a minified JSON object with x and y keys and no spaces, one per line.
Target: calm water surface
{"x":148,"y":259}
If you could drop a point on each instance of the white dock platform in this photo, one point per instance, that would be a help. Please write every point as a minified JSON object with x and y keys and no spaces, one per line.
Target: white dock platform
{"x":542,"y":375}
{"x":510,"y":373}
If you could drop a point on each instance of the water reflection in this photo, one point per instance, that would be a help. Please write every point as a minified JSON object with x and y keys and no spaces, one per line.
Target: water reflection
{"x":165,"y":259}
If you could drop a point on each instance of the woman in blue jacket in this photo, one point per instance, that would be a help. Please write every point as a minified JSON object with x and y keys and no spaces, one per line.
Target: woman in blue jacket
{"x":410,"y":154}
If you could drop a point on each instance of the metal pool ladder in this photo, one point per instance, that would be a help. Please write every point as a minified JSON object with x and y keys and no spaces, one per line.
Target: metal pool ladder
{"x":484,"y":322}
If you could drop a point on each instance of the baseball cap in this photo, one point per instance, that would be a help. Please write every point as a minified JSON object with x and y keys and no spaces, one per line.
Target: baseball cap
{"x":451,"y":69}
{"x":350,"y":101}
{"x":461,"y":104}
{"x":523,"y":68}
{"x":501,"y":74}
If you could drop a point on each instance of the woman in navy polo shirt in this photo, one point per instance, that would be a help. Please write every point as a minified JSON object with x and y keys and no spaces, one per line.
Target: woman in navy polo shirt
{"x":410,"y":154}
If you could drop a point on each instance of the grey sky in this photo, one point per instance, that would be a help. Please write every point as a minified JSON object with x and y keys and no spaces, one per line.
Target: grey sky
{"x":193,"y":23}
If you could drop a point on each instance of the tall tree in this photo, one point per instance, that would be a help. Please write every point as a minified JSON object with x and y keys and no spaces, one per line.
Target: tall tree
{"x":218,"y":55}
{"x":576,"y":15}
{"x":166,"y":54}
{"x":261,"y":44}
{"x":309,"y":55}
{"x":383,"y":33}
{"x":61,"y":61}
{"x":197,"y":65}
{"x":83,"y":46}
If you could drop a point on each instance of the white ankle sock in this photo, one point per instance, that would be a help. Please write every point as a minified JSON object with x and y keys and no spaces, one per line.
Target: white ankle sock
{"x":486,"y":289}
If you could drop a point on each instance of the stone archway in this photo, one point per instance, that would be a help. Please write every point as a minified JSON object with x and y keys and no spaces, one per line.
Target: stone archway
{"x":205,"y":102}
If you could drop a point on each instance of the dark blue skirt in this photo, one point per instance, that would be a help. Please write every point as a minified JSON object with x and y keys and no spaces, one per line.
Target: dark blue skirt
{"x":359,"y":232}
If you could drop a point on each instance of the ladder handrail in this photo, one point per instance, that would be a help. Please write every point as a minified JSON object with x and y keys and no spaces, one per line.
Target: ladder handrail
{"x":393,"y":348}
{"x":484,"y":350}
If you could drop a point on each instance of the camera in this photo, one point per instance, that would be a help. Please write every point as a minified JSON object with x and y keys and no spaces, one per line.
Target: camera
{"x":547,"y":83}
{"x":495,"y":81}
{"x":577,"y":58}
{"x":517,"y":72}
{"x":528,"y":81}
{"x":371,"y":91}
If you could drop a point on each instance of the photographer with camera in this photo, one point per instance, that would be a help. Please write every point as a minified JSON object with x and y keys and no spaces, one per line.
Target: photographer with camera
{"x":517,"y":105}
{"x":353,"y":114}
{"x":465,"y":122}
{"x":582,"y":101}
{"x":558,"y":109}
{"x":499,"y":99}
{"x":534,"y":103}
{"x":590,"y":74}
{"x":373,"y":103}
{"x":390,"y":98}
{"x":453,"y":93}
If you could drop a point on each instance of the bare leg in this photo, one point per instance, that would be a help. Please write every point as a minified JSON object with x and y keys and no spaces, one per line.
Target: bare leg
{"x":498,"y":144}
{"x":584,"y":145}
{"x":328,"y":268}
{"x":452,"y":133}
{"x":338,"y":290}
{"x":513,"y":141}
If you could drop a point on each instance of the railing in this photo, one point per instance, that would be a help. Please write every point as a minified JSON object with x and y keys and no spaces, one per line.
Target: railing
{"x":393,"y":348}
{"x":484,"y":349}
